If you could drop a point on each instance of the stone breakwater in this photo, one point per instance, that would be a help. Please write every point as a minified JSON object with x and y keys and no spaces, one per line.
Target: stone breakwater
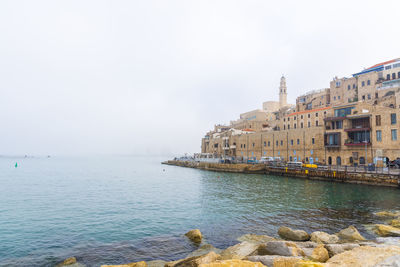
{"x":377,"y":179}
{"x":293,"y":248}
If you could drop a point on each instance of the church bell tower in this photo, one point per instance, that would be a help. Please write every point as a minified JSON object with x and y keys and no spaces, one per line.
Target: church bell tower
{"x":282,"y":93}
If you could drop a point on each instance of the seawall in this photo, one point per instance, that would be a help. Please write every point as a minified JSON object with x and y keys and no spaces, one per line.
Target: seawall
{"x":377,"y":179}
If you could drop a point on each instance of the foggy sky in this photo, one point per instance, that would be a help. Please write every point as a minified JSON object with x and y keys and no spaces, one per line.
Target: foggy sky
{"x":152,"y":77}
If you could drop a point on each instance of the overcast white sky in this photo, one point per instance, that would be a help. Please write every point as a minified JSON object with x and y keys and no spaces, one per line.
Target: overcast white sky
{"x":134,"y":77}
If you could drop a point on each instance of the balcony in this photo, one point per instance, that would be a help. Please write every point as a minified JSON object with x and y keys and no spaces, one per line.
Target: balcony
{"x":334,"y":118}
{"x":358,"y":129}
{"x":354,"y":143}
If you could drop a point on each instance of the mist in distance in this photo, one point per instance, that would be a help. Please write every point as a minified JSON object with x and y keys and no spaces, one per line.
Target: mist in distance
{"x":152,"y":77}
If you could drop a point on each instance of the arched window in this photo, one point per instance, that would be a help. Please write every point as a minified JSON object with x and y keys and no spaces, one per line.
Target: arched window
{"x":338,"y":161}
{"x":330,"y":161}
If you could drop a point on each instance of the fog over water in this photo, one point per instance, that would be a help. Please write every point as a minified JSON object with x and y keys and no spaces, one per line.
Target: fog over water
{"x":151,"y":77}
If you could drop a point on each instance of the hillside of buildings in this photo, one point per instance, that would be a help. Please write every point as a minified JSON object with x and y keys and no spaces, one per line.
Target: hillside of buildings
{"x":352,"y":122}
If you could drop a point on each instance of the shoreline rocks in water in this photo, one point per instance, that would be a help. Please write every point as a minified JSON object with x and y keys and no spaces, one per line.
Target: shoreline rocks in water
{"x":194,"y":235}
{"x":293,"y":235}
{"x":296,"y":249}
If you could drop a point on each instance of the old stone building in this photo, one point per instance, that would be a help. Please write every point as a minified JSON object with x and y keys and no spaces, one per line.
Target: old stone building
{"x":353,"y":122}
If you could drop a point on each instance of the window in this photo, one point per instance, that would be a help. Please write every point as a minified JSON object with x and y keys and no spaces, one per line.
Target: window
{"x":369,"y":96}
{"x":362,"y":160}
{"x":284,"y":119}
{"x":265,"y":143}
{"x":281,"y":143}
{"x":244,"y":145}
{"x":241,"y":145}
{"x":288,"y":119}
{"x":378,"y":135}
{"x":269,"y":143}
{"x":301,"y":125}
{"x":334,"y":98}
{"x":254,"y":144}
{"x":288,"y":127}
{"x":316,"y":123}
{"x":388,"y":77}
{"x":298,"y":141}
{"x":362,"y":83}
{"x":338,"y":97}
{"x":284,"y":127}
{"x":393,"y":118}
{"x":378,"y":120}
{"x":277,"y":143}
{"x":316,"y":114}
{"x":393,"y":76}
{"x":294,"y":117}
{"x":348,"y":87}
{"x":351,"y":159}
{"x":388,"y":67}
{"x":309,"y":124}
{"x":368,"y":82}
{"x":291,"y":142}
{"x":343,"y":112}
{"x":398,"y":75}
{"x":295,"y":125}
{"x":313,"y":140}
{"x":354,"y":86}
{"x":339,"y":124}
{"x":309,"y":115}
{"x":363,"y":97}
{"x":302,"y":115}
{"x":394,"y":135}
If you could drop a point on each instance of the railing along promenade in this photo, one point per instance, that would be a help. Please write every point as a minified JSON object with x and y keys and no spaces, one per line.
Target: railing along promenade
{"x":381,"y":176}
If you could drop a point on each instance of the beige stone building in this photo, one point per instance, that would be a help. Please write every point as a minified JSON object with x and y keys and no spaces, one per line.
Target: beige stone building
{"x":353,"y":122}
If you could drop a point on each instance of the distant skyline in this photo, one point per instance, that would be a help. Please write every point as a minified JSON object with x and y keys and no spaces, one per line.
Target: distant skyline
{"x":152,"y":77}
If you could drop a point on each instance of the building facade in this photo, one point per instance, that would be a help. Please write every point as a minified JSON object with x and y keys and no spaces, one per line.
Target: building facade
{"x":353,"y":122}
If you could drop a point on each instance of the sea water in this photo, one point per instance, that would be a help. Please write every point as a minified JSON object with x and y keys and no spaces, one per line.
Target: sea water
{"x":119,"y":209}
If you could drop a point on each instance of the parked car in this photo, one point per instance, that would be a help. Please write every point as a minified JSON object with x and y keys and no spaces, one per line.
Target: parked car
{"x":395,"y":163}
{"x":310,"y":166}
{"x":295,"y":164}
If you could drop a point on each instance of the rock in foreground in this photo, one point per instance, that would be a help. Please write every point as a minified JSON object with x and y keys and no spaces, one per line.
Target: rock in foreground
{"x":386,"y":230}
{"x":196,"y":261}
{"x":257,"y":239}
{"x":324,"y":238}
{"x":194,"y":235}
{"x":350,"y":234}
{"x":239,"y":251}
{"x":363,"y":257}
{"x":233,"y":263}
{"x":293,"y":235}
{"x":133,"y":264}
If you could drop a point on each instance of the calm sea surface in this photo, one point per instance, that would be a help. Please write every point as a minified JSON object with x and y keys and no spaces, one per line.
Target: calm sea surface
{"x":109,"y":210}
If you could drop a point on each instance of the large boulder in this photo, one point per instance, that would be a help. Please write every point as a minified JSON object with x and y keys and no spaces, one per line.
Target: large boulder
{"x":239,"y":251}
{"x":388,"y":241}
{"x":324,"y":238}
{"x":363,"y":257}
{"x":273,"y":260}
{"x":132,"y":264}
{"x":386,"y":230}
{"x":320,"y":254}
{"x":395,"y":223}
{"x":207,"y":248}
{"x":197,"y":261}
{"x":156,"y":263}
{"x":393,"y":261}
{"x":308,"y":264}
{"x":282,"y":248}
{"x":257,"y":239}
{"x":172,"y":263}
{"x":194,"y":235}
{"x":387,"y":214}
{"x":350,"y":234}
{"x":293,"y":235}
{"x":232,"y":263}
{"x":334,"y":249}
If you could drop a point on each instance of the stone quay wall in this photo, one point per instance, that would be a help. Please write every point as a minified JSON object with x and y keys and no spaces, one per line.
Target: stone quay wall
{"x":377,"y":179}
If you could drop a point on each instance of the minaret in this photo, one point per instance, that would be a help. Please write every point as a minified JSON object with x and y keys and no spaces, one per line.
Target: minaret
{"x":282,"y":93}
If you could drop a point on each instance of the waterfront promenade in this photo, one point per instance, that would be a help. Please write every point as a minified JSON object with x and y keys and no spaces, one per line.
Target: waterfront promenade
{"x":345,"y":174}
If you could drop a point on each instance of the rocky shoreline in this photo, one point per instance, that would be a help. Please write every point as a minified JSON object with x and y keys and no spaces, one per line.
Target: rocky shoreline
{"x":293,"y":248}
